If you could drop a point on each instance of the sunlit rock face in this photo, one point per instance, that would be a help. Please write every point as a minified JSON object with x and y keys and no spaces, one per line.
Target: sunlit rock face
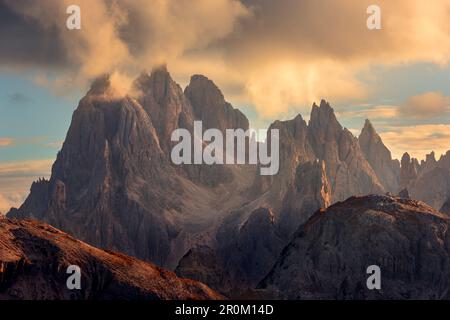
{"x":35,"y":257}
{"x":379,"y":158}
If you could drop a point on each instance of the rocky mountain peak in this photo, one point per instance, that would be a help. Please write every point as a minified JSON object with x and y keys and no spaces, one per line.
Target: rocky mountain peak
{"x":409,"y":170}
{"x":431,"y":157}
{"x":341,"y":152}
{"x":103,"y":88}
{"x":162,"y":84}
{"x":142,"y":82}
{"x":100,"y":85}
{"x":201,"y":84}
{"x":322,"y":115}
{"x":406,"y":159}
{"x":368,"y":129}
{"x":210,"y":107}
{"x":159,"y":84}
{"x":379,"y":157}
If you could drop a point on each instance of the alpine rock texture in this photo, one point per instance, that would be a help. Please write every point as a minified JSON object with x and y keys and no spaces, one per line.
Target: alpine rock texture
{"x":114,"y":186}
{"x":328,"y":256}
{"x":34,"y":258}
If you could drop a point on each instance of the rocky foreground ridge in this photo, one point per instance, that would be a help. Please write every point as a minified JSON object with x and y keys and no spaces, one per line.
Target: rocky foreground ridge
{"x":34,"y":258}
{"x":329,"y":255}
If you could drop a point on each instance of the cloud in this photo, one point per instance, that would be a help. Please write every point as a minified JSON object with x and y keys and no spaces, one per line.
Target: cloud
{"x":16,"y":179}
{"x":426,"y":105}
{"x":417,"y":140}
{"x":275,"y":55}
{"x":329,"y":47}
{"x":380,"y":112}
{"x":275,"y":88}
{"x":115,"y":36}
{"x":6,"y":142}
{"x":8,"y":201}
{"x":30,"y":168}
{"x":33,"y":140}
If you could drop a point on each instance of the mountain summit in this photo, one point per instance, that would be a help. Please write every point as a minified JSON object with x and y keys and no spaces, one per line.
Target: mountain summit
{"x":113,"y":184}
{"x":379,"y":157}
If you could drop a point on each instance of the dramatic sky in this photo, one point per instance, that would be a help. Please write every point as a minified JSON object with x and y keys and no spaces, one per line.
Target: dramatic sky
{"x":272,"y":59}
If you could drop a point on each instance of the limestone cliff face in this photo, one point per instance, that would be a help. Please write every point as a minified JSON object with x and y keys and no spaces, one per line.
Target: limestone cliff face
{"x":34,"y":258}
{"x":409,"y":168}
{"x":258,"y":242}
{"x":323,"y":139}
{"x":104,"y":179}
{"x":347,"y":168}
{"x":294,"y":149}
{"x":210,"y":106}
{"x":164,"y":101}
{"x":428,"y":181}
{"x":302,"y":186}
{"x":432,"y":187}
{"x":113,"y":183}
{"x":310,"y":191}
{"x":242,"y":256}
{"x":329,"y":255}
{"x":379,"y":158}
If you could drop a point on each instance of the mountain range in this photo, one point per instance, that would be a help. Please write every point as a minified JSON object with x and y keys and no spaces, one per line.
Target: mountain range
{"x":114,"y":186}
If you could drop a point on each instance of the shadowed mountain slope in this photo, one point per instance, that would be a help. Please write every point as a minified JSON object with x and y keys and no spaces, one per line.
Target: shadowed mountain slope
{"x":329,"y":255}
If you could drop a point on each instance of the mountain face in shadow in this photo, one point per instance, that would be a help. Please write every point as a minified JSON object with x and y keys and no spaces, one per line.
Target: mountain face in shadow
{"x":329,"y":255}
{"x":429,"y":180}
{"x":34,"y":258}
{"x":113,"y":184}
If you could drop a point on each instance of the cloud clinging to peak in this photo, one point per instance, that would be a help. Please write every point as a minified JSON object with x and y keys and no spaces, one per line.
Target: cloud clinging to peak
{"x":276,"y":55}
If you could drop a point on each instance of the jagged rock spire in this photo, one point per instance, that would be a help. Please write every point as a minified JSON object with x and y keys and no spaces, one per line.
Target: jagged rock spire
{"x":379,"y":157}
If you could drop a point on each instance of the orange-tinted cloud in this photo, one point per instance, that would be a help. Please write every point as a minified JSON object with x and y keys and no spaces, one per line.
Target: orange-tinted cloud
{"x":5,"y":142}
{"x":16,"y":178}
{"x":426,"y":105}
{"x":372,"y":112}
{"x":276,"y":55}
{"x":417,"y":140}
